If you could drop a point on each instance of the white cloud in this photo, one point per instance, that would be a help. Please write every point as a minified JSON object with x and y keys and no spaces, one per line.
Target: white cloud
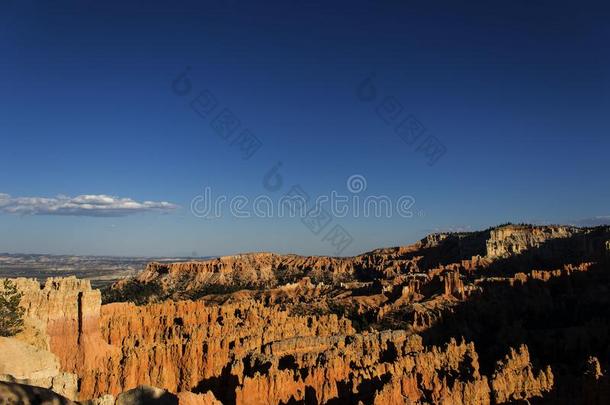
{"x":99,"y":205}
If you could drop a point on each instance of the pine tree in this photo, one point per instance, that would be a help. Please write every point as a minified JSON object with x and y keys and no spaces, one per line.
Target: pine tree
{"x":11,"y":313}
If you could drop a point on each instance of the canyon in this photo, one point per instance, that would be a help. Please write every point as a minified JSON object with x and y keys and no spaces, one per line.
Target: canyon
{"x":511,"y":314}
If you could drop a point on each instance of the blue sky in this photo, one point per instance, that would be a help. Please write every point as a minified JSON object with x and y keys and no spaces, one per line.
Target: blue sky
{"x":516,"y":92}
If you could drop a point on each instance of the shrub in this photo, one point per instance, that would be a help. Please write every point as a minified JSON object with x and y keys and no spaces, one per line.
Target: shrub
{"x":11,"y":313}
{"x":360,"y":322}
{"x":135,"y":291}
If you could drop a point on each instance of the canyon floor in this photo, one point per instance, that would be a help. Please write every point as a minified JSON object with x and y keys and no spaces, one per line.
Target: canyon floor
{"x":512,"y":314}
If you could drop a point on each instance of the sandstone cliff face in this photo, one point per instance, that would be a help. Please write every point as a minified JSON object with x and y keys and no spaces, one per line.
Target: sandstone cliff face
{"x":554,"y":244}
{"x":255,"y":270}
{"x":62,"y":316}
{"x":61,"y":333}
{"x":514,"y":239}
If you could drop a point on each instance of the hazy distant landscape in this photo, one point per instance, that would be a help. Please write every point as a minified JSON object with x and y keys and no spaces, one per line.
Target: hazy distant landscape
{"x":100,"y":270}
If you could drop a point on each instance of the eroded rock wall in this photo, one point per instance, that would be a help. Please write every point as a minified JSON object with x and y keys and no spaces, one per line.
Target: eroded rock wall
{"x":62,"y":315}
{"x":177,"y":345}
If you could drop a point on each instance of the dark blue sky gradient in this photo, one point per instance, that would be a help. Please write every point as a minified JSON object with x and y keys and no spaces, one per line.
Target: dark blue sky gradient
{"x":518,"y":92}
